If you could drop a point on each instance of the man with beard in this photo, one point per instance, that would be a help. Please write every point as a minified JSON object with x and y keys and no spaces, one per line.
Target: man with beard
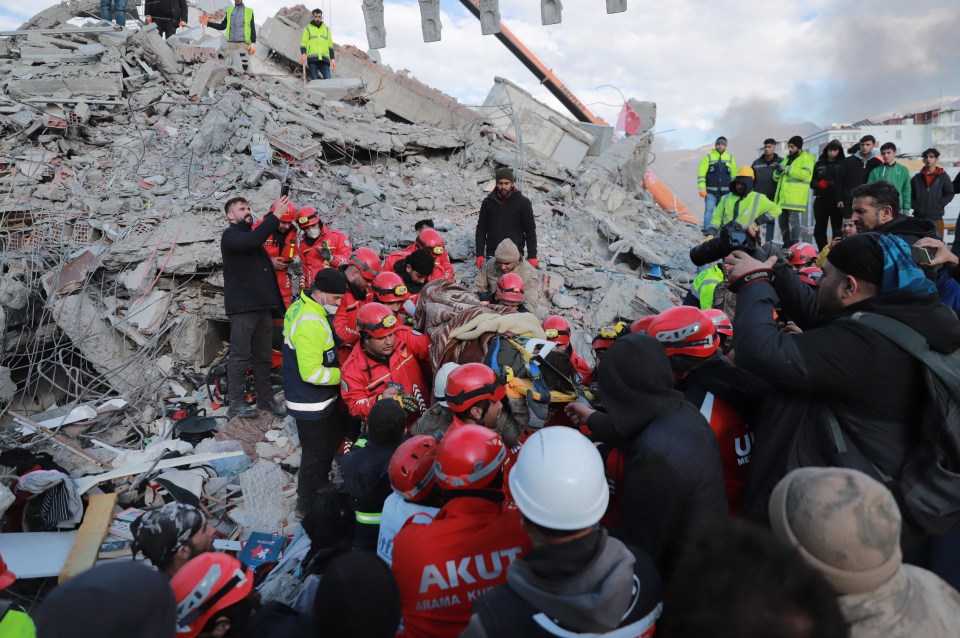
{"x":876,"y":208}
{"x":505,"y":213}
{"x":171,"y":535}
{"x":316,"y":48}
{"x":251,"y":297}
{"x":872,"y":387}
{"x":793,"y":188}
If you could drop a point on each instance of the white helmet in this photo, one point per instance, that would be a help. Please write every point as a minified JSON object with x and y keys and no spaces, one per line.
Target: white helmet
{"x":558,"y":481}
{"x":440,"y":382}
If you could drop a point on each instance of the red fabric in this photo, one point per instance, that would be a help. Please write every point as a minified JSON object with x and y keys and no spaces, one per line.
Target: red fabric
{"x":442,"y":269}
{"x":345,"y":323}
{"x":338,"y":244}
{"x":443,"y":566}
{"x":614,"y":466}
{"x":929,"y":177}
{"x":287,"y":249}
{"x":628,"y":120}
{"x":581,"y":367}
{"x":360,"y":371}
{"x":736,"y":443}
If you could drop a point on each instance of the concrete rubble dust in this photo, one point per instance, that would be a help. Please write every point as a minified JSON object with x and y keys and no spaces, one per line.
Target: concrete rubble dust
{"x":118,"y":150}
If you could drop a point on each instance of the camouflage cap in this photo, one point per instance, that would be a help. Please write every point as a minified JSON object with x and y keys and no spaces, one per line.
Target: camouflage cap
{"x":842,"y":522}
{"x":161,"y":532}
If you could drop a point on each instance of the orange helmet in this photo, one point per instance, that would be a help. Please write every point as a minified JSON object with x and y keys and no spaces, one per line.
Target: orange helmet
{"x":205,"y":585}
{"x":376,"y":320}
{"x":811,"y":275}
{"x":720,"y":321}
{"x":802,"y":254}
{"x":685,"y":330}
{"x":307,"y":217}
{"x":388,"y":287}
{"x":469,"y":457}
{"x":367,"y":261}
{"x":557,"y":329}
{"x":411,"y":467}
{"x":288,"y":215}
{"x":510,"y":288}
{"x":431,"y":241}
{"x":642,"y":324}
{"x":471,"y":383}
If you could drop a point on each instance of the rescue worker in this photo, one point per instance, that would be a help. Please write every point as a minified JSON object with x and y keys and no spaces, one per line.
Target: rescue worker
{"x":605,"y":338}
{"x":311,"y":381}
{"x":364,"y":470}
{"x":507,"y":260}
{"x":474,"y":394}
{"x":743,"y":205}
{"x":714,"y":174}
{"x":438,"y":416}
{"x":703,"y":291}
{"x":509,"y":292}
{"x":473,"y":531}
{"x":316,"y":48}
{"x":171,"y":535}
{"x":577,"y":580}
{"x":557,"y":329}
{"x":802,"y":255}
{"x":726,"y":396}
{"x":386,"y":365}
{"x":415,"y":269}
{"x":281,"y":246}
{"x":811,"y":275}
{"x":505,"y":213}
{"x":360,"y":270}
{"x":240,"y":32}
{"x":724,"y":328}
{"x":413,"y":477}
{"x":320,"y":247}
{"x":430,"y":241}
{"x":388,"y":288}
{"x":793,"y":177}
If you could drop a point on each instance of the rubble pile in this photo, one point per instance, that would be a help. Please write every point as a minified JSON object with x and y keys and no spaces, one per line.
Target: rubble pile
{"x":118,"y":150}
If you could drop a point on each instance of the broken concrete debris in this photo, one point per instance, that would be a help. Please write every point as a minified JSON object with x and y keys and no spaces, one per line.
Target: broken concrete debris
{"x":118,"y":150}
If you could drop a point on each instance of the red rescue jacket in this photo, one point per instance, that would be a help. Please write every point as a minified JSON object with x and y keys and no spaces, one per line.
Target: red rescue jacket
{"x":363,"y":378}
{"x":442,"y":567}
{"x":442,"y":268}
{"x":345,"y":323}
{"x":736,"y":444}
{"x":287,"y":249}
{"x":338,"y":244}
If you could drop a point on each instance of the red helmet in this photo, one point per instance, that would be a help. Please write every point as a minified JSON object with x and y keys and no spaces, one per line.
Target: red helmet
{"x":471,"y":383}
{"x":802,"y":254}
{"x":7,"y":577}
{"x":205,"y":585}
{"x":307,"y":217}
{"x":608,"y":334}
{"x":557,"y":329}
{"x":469,"y":457}
{"x":510,"y":288}
{"x":720,"y":321}
{"x":376,"y":320}
{"x":430,"y":241}
{"x":642,"y":324}
{"x":811,"y":275}
{"x":388,"y":287}
{"x":411,"y":467}
{"x":367,"y":261}
{"x":685,"y":330}
{"x":288,"y":215}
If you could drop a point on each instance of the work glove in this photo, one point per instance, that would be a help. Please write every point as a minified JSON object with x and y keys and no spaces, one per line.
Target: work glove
{"x":408,"y":402}
{"x":182,"y":24}
{"x":703,"y":193}
{"x":149,"y":20}
{"x":479,"y":263}
{"x":324,"y":252}
{"x":203,"y":19}
{"x":333,"y":65}
{"x":303,"y":58}
{"x":533,"y":261}
{"x":250,"y":49}
{"x":763,"y":219}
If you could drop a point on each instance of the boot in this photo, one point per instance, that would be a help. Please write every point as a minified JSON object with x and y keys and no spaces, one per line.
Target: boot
{"x":271,"y":406}
{"x":242,"y":409}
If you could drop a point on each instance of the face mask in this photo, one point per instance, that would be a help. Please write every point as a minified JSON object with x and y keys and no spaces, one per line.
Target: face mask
{"x":331,"y":310}
{"x":313,"y":232}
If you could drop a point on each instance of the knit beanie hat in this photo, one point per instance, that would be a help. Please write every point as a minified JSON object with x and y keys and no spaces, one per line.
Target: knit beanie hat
{"x":797,"y":141}
{"x":505,"y":173}
{"x":720,"y":140}
{"x":860,"y":257}
{"x":507,"y":252}
{"x":331,"y":280}
{"x":842,"y":522}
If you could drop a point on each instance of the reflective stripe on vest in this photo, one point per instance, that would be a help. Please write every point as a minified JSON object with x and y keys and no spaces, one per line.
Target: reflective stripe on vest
{"x":368,"y":518}
{"x":310,"y":407}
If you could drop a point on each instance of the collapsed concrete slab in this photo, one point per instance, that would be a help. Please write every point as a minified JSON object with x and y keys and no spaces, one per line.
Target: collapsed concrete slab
{"x":197,"y":45}
{"x":340,"y":88}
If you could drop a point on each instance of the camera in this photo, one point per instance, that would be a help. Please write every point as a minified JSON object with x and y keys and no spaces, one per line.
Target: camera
{"x":732,"y":236}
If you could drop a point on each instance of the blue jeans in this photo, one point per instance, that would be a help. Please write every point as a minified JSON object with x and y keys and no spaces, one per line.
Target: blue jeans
{"x":119,"y":11}
{"x":318,"y":69}
{"x":709,"y":205}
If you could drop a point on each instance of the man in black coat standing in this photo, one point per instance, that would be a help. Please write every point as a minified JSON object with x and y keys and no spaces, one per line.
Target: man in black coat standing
{"x":166,"y":14}
{"x":505,"y":213}
{"x":250,"y":298}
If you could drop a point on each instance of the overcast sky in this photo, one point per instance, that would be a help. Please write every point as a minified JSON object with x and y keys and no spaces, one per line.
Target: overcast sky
{"x":712,"y":66}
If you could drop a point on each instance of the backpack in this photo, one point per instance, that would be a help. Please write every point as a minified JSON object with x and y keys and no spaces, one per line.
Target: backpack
{"x":928,"y":487}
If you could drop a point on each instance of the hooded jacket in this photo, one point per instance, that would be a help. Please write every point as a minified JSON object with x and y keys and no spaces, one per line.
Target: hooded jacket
{"x":752,"y":208}
{"x":594,"y":584}
{"x":872,"y":386}
{"x":855,"y":172}
{"x":827,"y":178}
{"x":899,"y":176}
{"x":909,"y":229}
{"x":673,"y":476}
{"x":503,"y":217}
{"x":929,"y":201}
{"x":793,"y":181}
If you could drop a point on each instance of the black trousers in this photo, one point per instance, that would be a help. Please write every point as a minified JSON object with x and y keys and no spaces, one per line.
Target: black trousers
{"x":825,"y":210}
{"x":166,"y":27}
{"x":250,"y":345}
{"x":319,"y":441}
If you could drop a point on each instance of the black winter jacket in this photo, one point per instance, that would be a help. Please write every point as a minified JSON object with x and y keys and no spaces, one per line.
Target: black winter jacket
{"x":874,"y":388}
{"x":673,"y":476}
{"x":175,"y":10}
{"x":929,"y":203}
{"x":832,"y":174}
{"x":249,"y":280}
{"x":909,"y":229}
{"x":855,"y":173}
{"x":506,"y":218}
{"x":763,"y":181}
